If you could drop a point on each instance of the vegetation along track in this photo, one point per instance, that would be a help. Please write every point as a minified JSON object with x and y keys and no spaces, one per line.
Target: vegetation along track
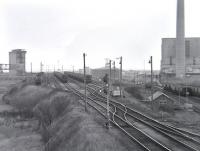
{"x":119,"y":117}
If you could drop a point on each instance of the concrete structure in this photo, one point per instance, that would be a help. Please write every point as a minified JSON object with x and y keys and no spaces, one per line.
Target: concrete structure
{"x":17,"y":62}
{"x":180,"y":55}
{"x":192,"y":56}
{"x":180,"y":40}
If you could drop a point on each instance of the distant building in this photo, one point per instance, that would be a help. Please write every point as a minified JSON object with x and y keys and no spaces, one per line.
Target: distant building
{"x":140,"y":76}
{"x":192,"y":56}
{"x":100,"y":72}
{"x":17,"y":62}
{"x":129,"y":75}
{"x":162,"y":102}
{"x":180,"y":55}
{"x":87,"y":70}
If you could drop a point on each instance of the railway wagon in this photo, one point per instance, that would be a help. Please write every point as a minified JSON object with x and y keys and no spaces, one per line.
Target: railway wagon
{"x":38,"y":78}
{"x":79,"y":77}
{"x":183,"y":90}
{"x":62,"y":77}
{"x":115,"y":91}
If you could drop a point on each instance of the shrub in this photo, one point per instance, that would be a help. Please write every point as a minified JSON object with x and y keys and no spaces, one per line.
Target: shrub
{"x":25,"y":97}
{"x":49,"y":110}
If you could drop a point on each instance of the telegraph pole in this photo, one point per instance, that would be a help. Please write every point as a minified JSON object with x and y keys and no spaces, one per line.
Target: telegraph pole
{"x":121,"y":76}
{"x":144,"y":80}
{"x":114,"y":70}
{"x":151,"y":62}
{"x":41,"y":66}
{"x":84,"y":81}
{"x":108,"y":96}
{"x":31,"y":67}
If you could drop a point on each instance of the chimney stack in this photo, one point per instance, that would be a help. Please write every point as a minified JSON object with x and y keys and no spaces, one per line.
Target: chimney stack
{"x":180,"y":40}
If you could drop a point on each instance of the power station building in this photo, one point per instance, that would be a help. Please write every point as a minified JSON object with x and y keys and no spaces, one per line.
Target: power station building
{"x":180,"y":55}
{"x":192,"y":56}
{"x":17,"y":59}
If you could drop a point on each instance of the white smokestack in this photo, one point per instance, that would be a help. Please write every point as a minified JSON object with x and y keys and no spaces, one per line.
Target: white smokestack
{"x":180,"y":40}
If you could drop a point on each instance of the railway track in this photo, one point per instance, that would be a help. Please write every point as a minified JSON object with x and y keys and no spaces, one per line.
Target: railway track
{"x":196,"y":108}
{"x":176,"y":135}
{"x":127,"y":119}
{"x":144,"y":141}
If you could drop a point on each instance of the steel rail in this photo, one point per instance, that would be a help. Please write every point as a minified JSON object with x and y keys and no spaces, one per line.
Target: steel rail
{"x":178,"y":129}
{"x":116,"y":124}
{"x":162,"y":130}
{"x":172,"y":128}
{"x":146,"y":135}
{"x":129,"y":123}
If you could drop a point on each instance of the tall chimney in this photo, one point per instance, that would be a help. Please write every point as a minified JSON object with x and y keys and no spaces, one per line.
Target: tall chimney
{"x":180,"y":40}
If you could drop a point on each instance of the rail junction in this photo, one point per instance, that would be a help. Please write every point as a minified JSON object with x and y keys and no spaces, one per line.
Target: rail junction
{"x":148,"y":133}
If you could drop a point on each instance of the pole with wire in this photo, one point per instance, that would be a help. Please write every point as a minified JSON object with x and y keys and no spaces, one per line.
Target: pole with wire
{"x":31,"y":68}
{"x":121,"y":77}
{"x":84,"y":81}
{"x":108,"y":96}
{"x":144,"y":81}
{"x":114,"y":70}
{"x":151,"y":62}
{"x":41,"y":67}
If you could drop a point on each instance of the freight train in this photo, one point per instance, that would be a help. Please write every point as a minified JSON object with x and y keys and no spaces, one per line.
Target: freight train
{"x":78,"y":76}
{"x":38,"y":78}
{"x":62,"y":77}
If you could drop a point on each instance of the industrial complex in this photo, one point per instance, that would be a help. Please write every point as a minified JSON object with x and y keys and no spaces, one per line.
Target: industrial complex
{"x":17,"y":62}
{"x":107,"y":108}
{"x":180,"y":55}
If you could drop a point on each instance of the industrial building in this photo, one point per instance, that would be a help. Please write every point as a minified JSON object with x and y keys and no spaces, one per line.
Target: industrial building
{"x":87,"y":71}
{"x":192,"y":56}
{"x":17,"y":62}
{"x":100,"y":73}
{"x":180,"y":55}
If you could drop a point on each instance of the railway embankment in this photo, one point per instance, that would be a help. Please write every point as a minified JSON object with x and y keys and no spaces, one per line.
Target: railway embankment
{"x":42,"y":118}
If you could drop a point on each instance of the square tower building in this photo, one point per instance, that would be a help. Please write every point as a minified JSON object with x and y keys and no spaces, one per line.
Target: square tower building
{"x":17,"y":59}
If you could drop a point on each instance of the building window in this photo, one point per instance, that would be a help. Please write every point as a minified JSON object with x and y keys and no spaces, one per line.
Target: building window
{"x":163,"y":102}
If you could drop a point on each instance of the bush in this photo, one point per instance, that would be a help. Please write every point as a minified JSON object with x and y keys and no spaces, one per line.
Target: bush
{"x":49,"y":110}
{"x":25,"y":97}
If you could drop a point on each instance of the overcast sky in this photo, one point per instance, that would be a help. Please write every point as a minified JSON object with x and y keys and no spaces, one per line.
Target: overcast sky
{"x":57,"y":32}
